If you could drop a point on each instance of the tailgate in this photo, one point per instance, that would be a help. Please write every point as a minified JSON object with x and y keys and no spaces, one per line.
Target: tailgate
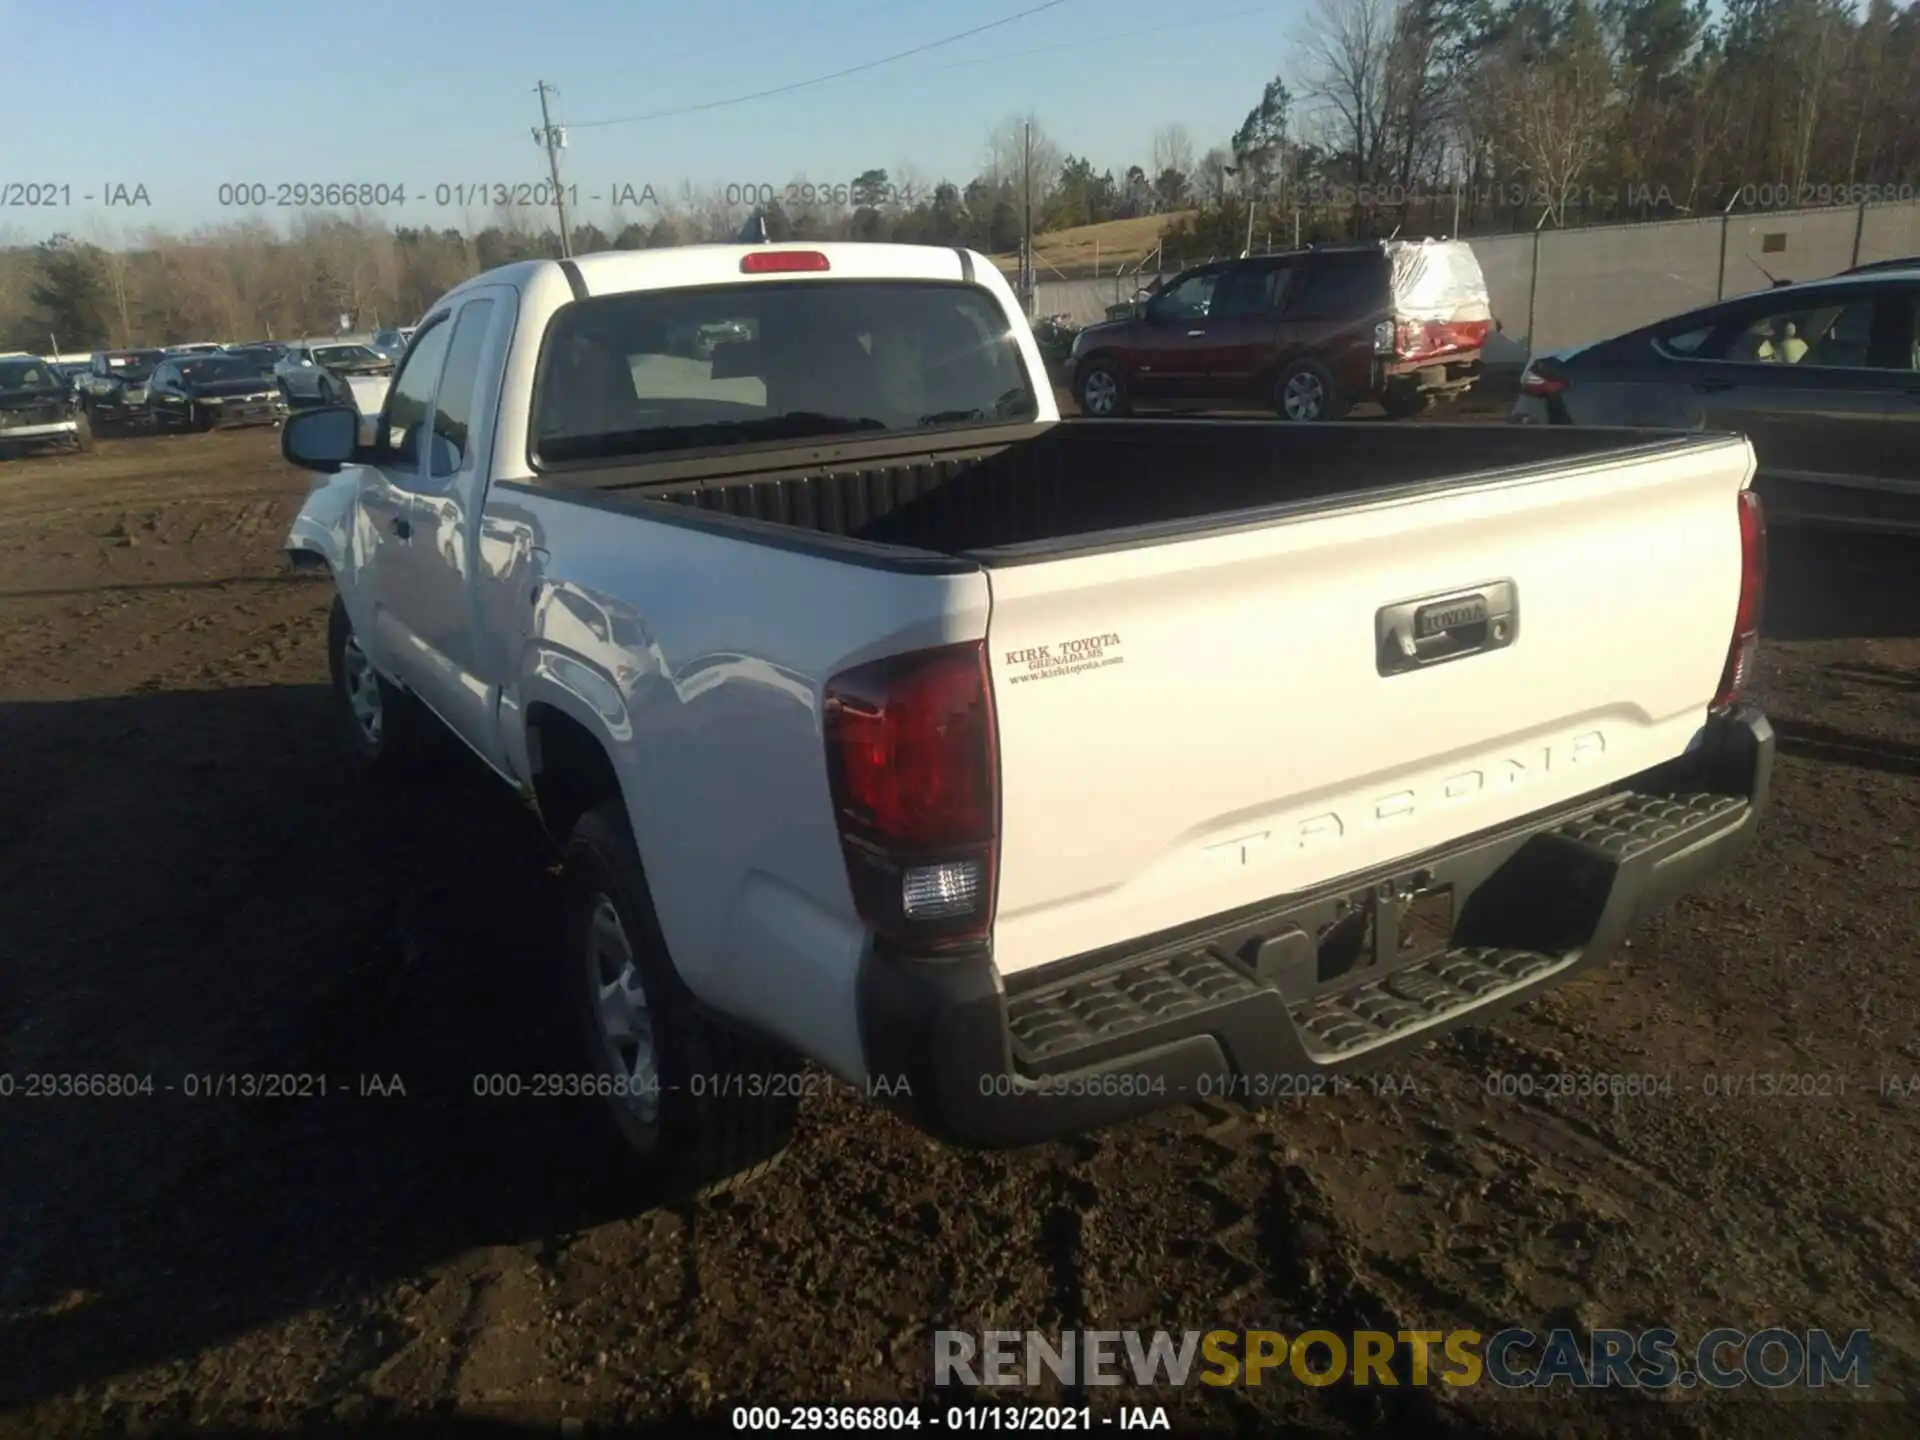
{"x":1190,"y":726}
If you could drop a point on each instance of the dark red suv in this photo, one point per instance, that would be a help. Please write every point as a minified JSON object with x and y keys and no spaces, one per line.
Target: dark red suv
{"x":1310,"y":333}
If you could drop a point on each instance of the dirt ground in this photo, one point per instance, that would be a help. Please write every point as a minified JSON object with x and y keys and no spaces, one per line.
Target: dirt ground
{"x":193,"y":883}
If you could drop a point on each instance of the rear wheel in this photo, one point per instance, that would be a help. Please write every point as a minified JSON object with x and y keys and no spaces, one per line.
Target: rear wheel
{"x":82,"y":433}
{"x":1306,"y":392}
{"x":697,"y":1107}
{"x":1101,"y":391}
{"x":383,"y":721}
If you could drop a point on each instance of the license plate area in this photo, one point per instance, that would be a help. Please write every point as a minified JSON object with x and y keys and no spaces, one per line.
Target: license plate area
{"x":1381,"y":928}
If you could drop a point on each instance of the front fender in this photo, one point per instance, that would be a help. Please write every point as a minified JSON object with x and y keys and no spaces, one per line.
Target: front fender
{"x":324,"y":526}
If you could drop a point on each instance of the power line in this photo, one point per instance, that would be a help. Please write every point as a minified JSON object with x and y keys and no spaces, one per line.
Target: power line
{"x":812,"y":28}
{"x":1001,"y":57}
{"x":823,"y":79}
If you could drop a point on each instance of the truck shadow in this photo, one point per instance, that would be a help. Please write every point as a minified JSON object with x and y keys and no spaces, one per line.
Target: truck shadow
{"x":1831,"y":585}
{"x":198,"y":888}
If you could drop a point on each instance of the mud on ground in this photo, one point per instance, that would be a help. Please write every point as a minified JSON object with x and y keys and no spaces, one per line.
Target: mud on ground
{"x":192,"y":883}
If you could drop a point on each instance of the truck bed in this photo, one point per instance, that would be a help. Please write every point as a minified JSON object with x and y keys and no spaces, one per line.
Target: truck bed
{"x":1248,"y":598}
{"x":1045,"y":491}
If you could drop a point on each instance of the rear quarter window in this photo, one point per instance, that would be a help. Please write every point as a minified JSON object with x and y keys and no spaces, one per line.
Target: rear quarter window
{"x":1687,"y":344}
{"x":1345,"y":291}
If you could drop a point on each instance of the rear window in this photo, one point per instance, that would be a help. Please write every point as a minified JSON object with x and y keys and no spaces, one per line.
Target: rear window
{"x":664,"y":372}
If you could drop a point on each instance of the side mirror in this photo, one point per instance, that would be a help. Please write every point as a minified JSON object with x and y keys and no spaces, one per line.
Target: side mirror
{"x":322,"y":440}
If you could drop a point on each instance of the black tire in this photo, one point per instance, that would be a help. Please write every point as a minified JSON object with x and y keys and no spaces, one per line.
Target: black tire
{"x":693,"y":1134}
{"x":100,"y":427}
{"x":1108,"y":400}
{"x":82,"y":434}
{"x":1403,"y":402}
{"x":200,"y":420}
{"x":403,"y":728}
{"x":1295,"y":392}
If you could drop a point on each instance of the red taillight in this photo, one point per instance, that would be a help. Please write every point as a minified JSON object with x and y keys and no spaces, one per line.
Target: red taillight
{"x":781,"y":262}
{"x":1753,"y":593}
{"x":911,"y":764}
{"x":1534,"y":383}
{"x":1432,"y":339}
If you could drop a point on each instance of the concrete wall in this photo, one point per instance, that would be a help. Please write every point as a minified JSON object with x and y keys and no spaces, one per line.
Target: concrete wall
{"x":1601,"y":281}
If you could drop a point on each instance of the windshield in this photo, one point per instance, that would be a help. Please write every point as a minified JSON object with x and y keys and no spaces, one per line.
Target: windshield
{"x":27,"y":375}
{"x":222,"y":367}
{"x":660,"y":372}
{"x":135,"y":365}
{"x":346,"y":355}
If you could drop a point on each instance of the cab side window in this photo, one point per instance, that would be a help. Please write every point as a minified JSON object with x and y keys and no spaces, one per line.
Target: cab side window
{"x":453,"y":410}
{"x":1832,"y":334}
{"x":1188,"y":298}
{"x":405,"y":419}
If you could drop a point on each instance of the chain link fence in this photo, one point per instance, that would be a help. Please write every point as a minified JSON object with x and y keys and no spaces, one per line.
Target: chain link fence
{"x":1558,"y":288}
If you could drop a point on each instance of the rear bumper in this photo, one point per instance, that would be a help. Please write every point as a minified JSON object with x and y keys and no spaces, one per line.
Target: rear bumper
{"x":221,"y":417}
{"x":1239,"y":1004}
{"x":122,"y":414}
{"x":1444,"y":374}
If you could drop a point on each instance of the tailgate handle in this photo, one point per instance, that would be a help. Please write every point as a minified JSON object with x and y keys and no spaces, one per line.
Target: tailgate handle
{"x":1432,"y":629}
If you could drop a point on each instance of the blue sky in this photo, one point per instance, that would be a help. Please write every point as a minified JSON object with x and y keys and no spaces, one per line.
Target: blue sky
{"x":181,"y":99}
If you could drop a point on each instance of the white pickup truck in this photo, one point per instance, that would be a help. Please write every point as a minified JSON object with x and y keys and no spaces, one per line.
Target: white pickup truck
{"x":1029,"y":775}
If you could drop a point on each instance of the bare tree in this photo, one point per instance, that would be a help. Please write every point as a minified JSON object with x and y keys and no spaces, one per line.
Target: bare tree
{"x":1554,"y":118}
{"x":1210,"y":176}
{"x":1007,"y":157}
{"x":1172,"y":150}
{"x":115,"y":265}
{"x":1348,"y":47}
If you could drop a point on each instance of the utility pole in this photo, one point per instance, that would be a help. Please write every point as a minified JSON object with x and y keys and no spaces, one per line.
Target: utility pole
{"x":553,"y":140}
{"x":1026,"y":247}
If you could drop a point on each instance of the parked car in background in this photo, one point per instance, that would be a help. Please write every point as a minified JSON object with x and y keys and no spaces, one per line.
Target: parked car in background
{"x":200,"y":392}
{"x":114,"y":391}
{"x":262,"y":355}
{"x":1054,"y":334}
{"x":333,"y":372}
{"x":198,"y":347}
{"x":1310,"y":333}
{"x":391,"y":342}
{"x":1823,"y":377}
{"x":73,"y":369}
{"x":37,"y":407}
